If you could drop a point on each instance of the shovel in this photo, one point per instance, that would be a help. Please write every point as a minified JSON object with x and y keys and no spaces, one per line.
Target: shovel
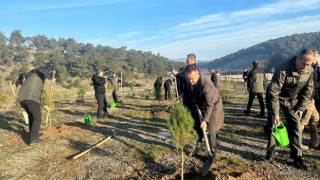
{"x":206,"y":165}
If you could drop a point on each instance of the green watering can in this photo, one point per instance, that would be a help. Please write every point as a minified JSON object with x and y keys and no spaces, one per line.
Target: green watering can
{"x":87,"y":119}
{"x":280,"y":134}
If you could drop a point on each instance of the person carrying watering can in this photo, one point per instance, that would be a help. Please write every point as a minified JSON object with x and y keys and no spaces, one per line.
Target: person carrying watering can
{"x":290,"y":89}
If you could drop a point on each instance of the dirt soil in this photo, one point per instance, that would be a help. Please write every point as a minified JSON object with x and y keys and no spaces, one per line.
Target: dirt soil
{"x":136,"y":149}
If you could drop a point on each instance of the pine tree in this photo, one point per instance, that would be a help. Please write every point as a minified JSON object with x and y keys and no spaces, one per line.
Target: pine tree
{"x":180,"y":125}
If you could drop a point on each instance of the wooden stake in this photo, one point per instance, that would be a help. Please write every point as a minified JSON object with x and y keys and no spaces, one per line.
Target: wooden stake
{"x":94,"y":146}
{"x":48,"y":112}
{"x":14,"y":94}
{"x":121,"y":85}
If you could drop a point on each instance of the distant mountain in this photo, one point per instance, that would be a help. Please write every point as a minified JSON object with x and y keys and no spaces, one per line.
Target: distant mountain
{"x":272,"y":52}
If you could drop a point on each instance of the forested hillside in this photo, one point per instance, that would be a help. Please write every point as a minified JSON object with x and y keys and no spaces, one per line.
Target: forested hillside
{"x":272,"y":52}
{"x":73,"y":59}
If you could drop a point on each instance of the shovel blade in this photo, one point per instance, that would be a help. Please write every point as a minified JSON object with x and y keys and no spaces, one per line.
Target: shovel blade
{"x":207,"y":165}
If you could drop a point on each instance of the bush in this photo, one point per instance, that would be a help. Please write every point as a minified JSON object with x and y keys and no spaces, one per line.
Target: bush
{"x":81,"y":92}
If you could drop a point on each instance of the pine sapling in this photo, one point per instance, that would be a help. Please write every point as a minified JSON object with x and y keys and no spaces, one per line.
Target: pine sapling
{"x":180,"y":125}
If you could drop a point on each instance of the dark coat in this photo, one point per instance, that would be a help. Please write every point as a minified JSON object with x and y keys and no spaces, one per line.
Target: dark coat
{"x":98,"y":84}
{"x":32,"y":88}
{"x":167,"y":83}
{"x":206,"y":96}
{"x":257,"y":81}
{"x":214,"y":79}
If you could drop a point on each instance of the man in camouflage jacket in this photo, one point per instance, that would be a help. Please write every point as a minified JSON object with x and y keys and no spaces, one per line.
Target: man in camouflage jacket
{"x":290,"y":89}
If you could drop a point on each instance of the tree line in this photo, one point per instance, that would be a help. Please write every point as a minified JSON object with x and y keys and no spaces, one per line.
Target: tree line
{"x":73,"y":59}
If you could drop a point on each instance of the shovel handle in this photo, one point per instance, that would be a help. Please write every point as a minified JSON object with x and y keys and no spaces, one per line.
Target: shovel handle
{"x":204,"y":131}
{"x":206,"y":140}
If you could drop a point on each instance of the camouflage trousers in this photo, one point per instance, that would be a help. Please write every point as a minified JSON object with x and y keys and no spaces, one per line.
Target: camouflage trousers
{"x":310,"y":116}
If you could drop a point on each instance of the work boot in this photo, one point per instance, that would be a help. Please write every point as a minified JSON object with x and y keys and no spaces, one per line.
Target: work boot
{"x":270,"y":154}
{"x":246,"y":112}
{"x":300,"y":164}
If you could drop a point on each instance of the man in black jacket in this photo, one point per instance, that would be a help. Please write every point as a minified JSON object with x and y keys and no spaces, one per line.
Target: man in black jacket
{"x":167,"y":89}
{"x":30,"y":99}
{"x":99,"y":89}
{"x":214,"y":78}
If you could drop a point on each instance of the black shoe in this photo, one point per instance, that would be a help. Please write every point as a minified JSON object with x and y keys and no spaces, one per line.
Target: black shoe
{"x":300,"y":164}
{"x":37,"y":141}
{"x":270,"y":154}
{"x":246,"y":112}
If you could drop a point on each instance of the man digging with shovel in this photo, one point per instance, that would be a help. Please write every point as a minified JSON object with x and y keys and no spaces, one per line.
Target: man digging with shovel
{"x":206,"y":110}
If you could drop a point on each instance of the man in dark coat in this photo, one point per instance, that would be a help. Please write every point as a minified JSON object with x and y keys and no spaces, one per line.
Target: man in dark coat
{"x":167,"y":89}
{"x":191,"y":59}
{"x":290,"y":89}
{"x":205,"y":96}
{"x":99,"y":82}
{"x":257,"y":83}
{"x":214,"y":78}
{"x":30,"y":99}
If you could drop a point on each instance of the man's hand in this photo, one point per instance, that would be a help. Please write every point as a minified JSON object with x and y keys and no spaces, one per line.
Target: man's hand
{"x":203,"y":124}
{"x":299,"y":113}
{"x":174,"y":72}
{"x":276,"y":119}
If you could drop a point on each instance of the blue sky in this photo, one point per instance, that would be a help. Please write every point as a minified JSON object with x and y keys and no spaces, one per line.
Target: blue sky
{"x":173,"y":28}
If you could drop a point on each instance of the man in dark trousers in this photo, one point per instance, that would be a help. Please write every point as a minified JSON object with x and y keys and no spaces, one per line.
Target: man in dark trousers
{"x":30,"y":99}
{"x":205,"y":96}
{"x":114,"y":80}
{"x":257,"y":83}
{"x":290,"y":89}
{"x":167,"y":89}
{"x":99,"y":89}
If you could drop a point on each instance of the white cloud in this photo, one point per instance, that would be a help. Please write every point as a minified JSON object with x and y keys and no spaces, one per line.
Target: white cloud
{"x":71,"y":4}
{"x":221,"y":44}
{"x":219,"y":34}
{"x":130,"y":34}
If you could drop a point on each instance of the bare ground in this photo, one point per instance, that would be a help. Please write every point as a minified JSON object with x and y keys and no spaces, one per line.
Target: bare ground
{"x":136,"y":150}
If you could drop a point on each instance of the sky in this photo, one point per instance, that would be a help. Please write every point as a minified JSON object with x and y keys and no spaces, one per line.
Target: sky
{"x":173,"y":28}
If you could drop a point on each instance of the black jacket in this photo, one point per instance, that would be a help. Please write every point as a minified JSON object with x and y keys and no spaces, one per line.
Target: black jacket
{"x":98,"y":84}
{"x":32,"y":88}
{"x":167,"y":83}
